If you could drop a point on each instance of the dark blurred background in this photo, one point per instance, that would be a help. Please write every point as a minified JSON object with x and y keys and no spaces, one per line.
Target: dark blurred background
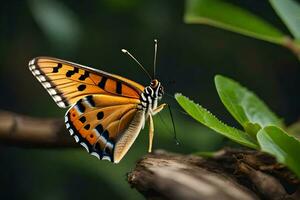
{"x":92,"y":33}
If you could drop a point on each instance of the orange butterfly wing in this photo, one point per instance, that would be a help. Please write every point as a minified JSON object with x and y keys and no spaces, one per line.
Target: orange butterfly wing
{"x":104,"y":118}
{"x":68,"y":82}
{"x":103,"y":124}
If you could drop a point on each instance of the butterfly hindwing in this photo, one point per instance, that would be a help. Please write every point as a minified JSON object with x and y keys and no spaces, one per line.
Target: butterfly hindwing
{"x":105,"y":125}
{"x":68,"y":82}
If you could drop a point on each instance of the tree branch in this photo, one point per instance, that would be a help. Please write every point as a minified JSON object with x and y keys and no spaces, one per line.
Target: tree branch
{"x":34,"y":132}
{"x":230,"y":174}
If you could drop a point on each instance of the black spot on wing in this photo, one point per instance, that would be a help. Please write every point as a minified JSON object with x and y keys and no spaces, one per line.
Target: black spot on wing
{"x":84,"y":76}
{"x":82,"y":119}
{"x":105,"y":134}
{"x":80,"y":106}
{"x":72,"y":72}
{"x":87,"y":127}
{"x":81,"y":87}
{"x":56,"y":69}
{"x":97,"y":147}
{"x":99,"y":128}
{"x":69,"y":73}
{"x":90,"y":100}
{"x":119,"y":87}
{"x":107,"y":151}
{"x":100,"y":115}
{"x":102,"y":83}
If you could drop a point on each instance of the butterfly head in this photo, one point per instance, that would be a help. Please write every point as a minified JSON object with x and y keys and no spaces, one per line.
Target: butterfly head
{"x":157,"y":88}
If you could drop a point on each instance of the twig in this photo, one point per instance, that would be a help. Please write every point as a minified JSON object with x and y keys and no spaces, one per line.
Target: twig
{"x":33,"y":132}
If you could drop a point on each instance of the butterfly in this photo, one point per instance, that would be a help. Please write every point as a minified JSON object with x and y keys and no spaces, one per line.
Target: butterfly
{"x":106,"y":111}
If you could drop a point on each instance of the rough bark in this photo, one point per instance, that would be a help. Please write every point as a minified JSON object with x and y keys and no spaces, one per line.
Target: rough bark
{"x":229,"y":174}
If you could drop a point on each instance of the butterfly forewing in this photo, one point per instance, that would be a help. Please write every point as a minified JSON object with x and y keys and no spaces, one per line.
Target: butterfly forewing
{"x":68,"y":82}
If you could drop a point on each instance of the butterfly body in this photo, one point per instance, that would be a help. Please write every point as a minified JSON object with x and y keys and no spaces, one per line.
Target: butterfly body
{"x":106,"y":112}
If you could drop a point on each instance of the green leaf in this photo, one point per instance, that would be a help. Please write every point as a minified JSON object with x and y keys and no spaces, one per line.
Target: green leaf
{"x":205,"y":117}
{"x":229,"y":17}
{"x":289,"y":12}
{"x":252,"y":113}
{"x":294,"y":129}
{"x":279,"y":144}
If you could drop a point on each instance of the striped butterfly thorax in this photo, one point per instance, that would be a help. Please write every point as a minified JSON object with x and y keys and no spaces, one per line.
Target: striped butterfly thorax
{"x":106,"y":112}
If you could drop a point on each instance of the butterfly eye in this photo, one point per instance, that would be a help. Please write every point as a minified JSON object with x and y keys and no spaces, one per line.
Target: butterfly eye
{"x":154,"y":83}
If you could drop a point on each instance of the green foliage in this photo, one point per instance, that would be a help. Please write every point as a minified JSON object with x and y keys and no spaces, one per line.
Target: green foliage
{"x":289,"y":12}
{"x":284,"y":147}
{"x":244,"y":106}
{"x":263,"y":129}
{"x":227,"y":16}
{"x":205,"y":117}
{"x":57,"y":22}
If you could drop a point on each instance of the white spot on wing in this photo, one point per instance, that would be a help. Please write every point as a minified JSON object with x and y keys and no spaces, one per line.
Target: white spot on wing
{"x":76,"y":138}
{"x":85,"y":146}
{"x":109,"y":145}
{"x":46,"y":84}
{"x":95,"y":154}
{"x":66,"y":118}
{"x":52,"y":91}
{"x":57,"y":98}
{"x":72,"y":132}
{"x":36,"y":72}
{"x":31,"y":62}
{"x":42,"y":78}
{"x":106,"y":158}
{"x":61,"y":104}
{"x":67,"y":125}
{"x":38,"y":78}
{"x":32,"y":67}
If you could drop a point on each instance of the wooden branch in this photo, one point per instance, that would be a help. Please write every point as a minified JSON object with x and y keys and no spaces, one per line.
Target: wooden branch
{"x":34,"y":132}
{"x":230,"y":174}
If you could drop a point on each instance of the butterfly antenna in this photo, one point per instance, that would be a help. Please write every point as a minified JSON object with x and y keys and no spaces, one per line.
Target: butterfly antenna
{"x":127,"y":52}
{"x":155,"y":55}
{"x":174,"y":129}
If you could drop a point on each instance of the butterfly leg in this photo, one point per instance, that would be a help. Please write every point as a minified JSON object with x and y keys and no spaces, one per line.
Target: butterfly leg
{"x":151,"y":124}
{"x":151,"y":133}
{"x":158,"y":109}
